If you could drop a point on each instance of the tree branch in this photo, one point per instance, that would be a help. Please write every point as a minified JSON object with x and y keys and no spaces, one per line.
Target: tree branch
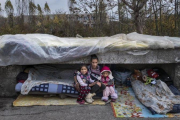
{"x":128,"y":4}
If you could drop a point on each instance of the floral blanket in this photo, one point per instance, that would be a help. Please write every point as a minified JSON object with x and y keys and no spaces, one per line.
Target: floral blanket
{"x":159,"y":97}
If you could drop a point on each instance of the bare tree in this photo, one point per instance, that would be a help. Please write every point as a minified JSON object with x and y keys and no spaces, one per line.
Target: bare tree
{"x":47,"y":9}
{"x":97,"y":9}
{"x":9,"y":11}
{"x":155,"y":11}
{"x":21,"y":7}
{"x":122,"y":11}
{"x":177,"y":16}
{"x":40,"y":12}
{"x":0,"y":9}
{"x":32,"y":12}
{"x":136,"y":6}
{"x":1,"y":17}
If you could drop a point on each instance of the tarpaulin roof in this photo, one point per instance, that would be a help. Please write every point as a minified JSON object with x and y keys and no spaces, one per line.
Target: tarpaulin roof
{"x":26,"y":49}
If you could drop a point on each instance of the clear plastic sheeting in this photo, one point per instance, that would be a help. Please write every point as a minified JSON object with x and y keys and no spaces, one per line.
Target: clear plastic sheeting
{"x":154,"y":42}
{"x":28,"y":49}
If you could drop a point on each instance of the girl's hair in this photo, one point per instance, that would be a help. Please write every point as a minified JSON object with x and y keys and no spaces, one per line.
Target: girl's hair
{"x":83,"y":66}
{"x":94,"y":57}
{"x":106,"y":71}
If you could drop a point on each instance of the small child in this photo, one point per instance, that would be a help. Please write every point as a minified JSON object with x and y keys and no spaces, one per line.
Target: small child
{"x":107,"y":79}
{"x":85,"y":81}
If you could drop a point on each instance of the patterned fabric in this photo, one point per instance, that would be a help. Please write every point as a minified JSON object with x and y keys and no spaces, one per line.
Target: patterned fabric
{"x":159,"y":97}
{"x":109,"y":82}
{"x":83,"y":92}
{"x":40,"y":88}
{"x":33,"y":80}
{"x":85,"y":77}
{"x":94,"y":74}
{"x":68,"y":90}
{"x":97,"y":70}
{"x":127,"y":105}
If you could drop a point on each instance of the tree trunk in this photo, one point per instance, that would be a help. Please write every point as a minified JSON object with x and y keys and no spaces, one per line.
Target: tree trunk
{"x":178,"y":17}
{"x":156,"y":18}
{"x":175,"y":14}
{"x":119,"y":16}
{"x":139,"y":29}
{"x":160,"y":17}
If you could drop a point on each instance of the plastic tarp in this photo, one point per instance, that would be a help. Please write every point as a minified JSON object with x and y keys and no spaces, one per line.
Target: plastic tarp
{"x":26,"y":49}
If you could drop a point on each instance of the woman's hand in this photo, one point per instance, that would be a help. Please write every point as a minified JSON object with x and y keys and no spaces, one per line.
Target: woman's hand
{"x":98,"y":83}
{"x":92,"y":84}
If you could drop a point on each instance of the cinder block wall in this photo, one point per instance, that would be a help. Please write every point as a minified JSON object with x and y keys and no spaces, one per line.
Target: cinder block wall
{"x":8,"y":80}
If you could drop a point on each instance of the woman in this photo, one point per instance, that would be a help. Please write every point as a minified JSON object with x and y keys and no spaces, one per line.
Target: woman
{"x":94,"y":71}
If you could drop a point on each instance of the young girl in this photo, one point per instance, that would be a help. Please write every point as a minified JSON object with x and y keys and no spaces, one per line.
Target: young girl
{"x":85,"y":82}
{"x":107,"y":79}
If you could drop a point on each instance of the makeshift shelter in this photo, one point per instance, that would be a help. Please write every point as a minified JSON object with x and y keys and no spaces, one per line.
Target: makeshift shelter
{"x":130,"y":51}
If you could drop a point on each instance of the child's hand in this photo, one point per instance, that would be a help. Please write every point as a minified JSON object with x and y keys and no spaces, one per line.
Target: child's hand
{"x":105,"y":83}
{"x":84,"y":80}
{"x":77,"y":87}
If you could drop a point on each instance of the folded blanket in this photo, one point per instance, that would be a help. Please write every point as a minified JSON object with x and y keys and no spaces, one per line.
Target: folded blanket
{"x":50,"y":89}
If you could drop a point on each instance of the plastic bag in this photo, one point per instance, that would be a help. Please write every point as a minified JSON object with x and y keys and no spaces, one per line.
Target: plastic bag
{"x":121,"y":75}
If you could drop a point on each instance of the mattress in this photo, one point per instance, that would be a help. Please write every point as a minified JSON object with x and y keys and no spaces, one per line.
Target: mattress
{"x":54,"y":89}
{"x":28,"y":49}
{"x":49,"y":88}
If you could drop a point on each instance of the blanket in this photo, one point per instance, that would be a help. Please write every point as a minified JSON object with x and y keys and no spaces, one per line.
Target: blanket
{"x":41,"y":75}
{"x":158,"y":97}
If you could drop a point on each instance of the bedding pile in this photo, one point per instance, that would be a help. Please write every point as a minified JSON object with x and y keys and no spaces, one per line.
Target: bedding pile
{"x":26,"y":49}
{"x":46,"y":77}
{"x":158,"y":97}
{"x":153,"y":87}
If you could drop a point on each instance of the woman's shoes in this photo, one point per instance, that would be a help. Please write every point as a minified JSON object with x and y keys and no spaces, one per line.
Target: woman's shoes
{"x":92,"y":96}
{"x":81,"y":102}
{"x":89,"y":97}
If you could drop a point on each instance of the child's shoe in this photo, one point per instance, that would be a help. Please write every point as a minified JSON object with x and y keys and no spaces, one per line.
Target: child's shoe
{"x":81,"y":102}
{"x":105,"y":100}
{"x":113,"y":100}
